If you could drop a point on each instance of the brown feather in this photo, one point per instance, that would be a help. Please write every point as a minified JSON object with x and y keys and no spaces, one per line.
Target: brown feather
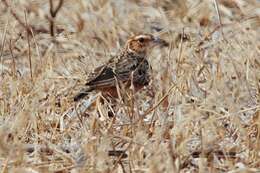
{"x":132,"y":60}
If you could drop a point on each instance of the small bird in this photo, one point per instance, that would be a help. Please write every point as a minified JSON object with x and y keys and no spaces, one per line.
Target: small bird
{"x":130,"y":66}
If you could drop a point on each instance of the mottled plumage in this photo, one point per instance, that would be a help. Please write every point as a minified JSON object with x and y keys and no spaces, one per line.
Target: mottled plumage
{"x":132,"y":60}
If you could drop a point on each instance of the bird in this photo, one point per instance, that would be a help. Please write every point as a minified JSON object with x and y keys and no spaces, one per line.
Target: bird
{"x":130,"y":66}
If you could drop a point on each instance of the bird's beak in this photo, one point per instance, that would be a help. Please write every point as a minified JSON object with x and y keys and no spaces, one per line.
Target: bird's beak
{"x":160,"y":42}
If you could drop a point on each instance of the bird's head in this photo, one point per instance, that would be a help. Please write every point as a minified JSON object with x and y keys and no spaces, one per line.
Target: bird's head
{"x":140,"y":44}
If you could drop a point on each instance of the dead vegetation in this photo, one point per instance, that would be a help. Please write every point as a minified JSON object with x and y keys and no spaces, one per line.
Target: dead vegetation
{"x":199,"y":114}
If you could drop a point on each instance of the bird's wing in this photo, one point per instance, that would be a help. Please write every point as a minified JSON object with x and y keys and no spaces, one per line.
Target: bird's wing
{"x":125,"y":67}
{"x":101,"y":77}
{"x":104,"y":76}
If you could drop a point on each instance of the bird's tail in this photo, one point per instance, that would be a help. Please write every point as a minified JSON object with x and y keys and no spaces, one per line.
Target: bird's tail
{"x":84,"y":92}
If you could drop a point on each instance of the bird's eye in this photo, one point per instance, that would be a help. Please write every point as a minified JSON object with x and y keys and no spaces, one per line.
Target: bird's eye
{"x":141,"y":40}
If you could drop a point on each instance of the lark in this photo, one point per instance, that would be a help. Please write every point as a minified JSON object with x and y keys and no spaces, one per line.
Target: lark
{"x":131,"y":66}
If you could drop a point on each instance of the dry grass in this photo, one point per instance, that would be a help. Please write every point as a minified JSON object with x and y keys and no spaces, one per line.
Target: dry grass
{"x":199,"y":114}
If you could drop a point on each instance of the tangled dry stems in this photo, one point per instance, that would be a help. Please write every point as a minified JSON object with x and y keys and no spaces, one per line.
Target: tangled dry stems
{"x":199,"y":114}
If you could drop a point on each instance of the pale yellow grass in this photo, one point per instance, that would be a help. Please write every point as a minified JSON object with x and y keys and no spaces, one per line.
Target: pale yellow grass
{"x":199,"y":114}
